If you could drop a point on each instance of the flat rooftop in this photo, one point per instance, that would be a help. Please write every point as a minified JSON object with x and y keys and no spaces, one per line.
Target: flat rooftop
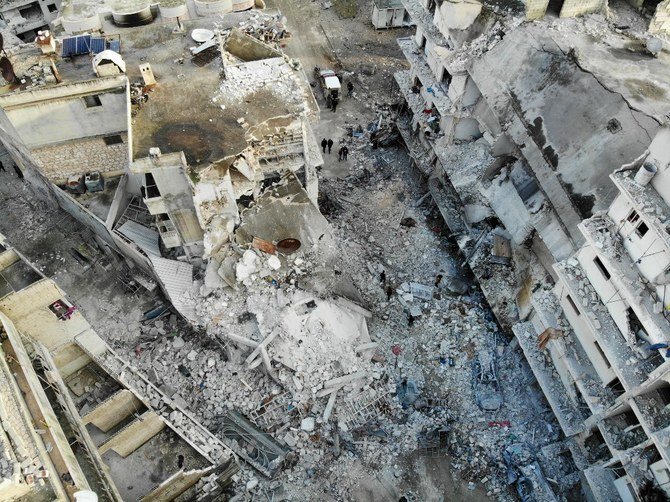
{"x":589,"y":103}
{"x":204,"y":110}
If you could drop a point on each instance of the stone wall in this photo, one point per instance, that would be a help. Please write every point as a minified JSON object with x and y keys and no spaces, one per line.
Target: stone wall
{"x":536,"y":9}
{"x":59,"y":161}
{"x":572,"y":8}
{"x":661,"y":20}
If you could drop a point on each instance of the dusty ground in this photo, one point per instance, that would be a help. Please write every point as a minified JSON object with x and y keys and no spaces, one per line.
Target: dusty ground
{"x":369,"y":192}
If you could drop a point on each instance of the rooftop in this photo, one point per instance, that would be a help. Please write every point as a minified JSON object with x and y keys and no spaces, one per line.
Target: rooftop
{"x":589,"y":103}
{"x":213,"y":124}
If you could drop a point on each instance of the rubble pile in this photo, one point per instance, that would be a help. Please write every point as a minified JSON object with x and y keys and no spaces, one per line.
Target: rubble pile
{"x":269,"y":29}
{"x":364,"y":360}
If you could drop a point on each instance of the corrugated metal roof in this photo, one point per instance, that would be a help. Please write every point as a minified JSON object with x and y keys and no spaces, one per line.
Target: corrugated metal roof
{"x":177,"y":279}
{"x":146,"y":238}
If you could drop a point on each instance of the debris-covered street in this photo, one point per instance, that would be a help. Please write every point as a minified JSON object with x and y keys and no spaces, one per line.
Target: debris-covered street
{"x":348,"y":250}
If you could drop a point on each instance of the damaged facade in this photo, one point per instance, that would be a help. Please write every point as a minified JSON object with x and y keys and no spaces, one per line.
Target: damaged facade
{"x":110,"y":135}
{"x":518,"y":129}
{"x":97,"y":420}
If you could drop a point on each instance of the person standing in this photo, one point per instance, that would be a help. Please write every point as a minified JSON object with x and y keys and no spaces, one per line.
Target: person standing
{"x":339,"y":154}
{"x":18,"y":172}
{"x":324,"y":144}
{"x":334,"y":105}
{"x":350,"y":89}
{"x":345,"y":152}
{"x":330,"y":145}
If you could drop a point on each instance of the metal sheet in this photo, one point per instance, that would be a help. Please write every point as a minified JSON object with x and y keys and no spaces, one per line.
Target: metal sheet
{"x":146,"y":238}
{"x":177,"y":278}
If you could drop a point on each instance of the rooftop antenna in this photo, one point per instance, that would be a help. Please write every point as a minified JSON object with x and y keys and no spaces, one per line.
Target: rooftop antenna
{"x":7,"y":70}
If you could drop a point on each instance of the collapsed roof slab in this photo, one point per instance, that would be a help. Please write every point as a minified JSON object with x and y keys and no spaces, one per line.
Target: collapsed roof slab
{"x":582,"y":116}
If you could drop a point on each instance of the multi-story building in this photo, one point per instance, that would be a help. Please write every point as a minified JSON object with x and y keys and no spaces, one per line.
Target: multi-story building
{"x":517,"y":135}
{"x":604,"y":333}
{"x":178,"y":156}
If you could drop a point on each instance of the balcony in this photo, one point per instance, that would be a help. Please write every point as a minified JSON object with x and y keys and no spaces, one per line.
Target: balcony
{"x":601,"y":232}
{"x":424,"y":20}
{"x":448,"y":203}
{"x":601,"y":483}
{"x":567,"y":412}
{"x":414,"y":100}
{"x":570,"y":351}
{"x":416,"y":58}
{"x":648,"y":203}
{"x":625,"y":363}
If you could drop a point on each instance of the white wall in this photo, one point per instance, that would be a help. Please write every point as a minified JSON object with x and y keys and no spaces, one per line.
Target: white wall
{"x":53,"y":121}
{"x":585,"y":336}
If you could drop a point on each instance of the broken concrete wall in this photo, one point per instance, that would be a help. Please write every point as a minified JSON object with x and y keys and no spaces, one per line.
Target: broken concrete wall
{"x":248,"y":48}
{"x":660,"y":23}
{"x":536,"y":9}
{"x":573,"y":8}
{"x":462,"y":21}
{"x":174,"y":196}
{"x":60,"y":161}
{"x":41,"y":188}
{"x":509,"y":207}
{"x":529,"y":100}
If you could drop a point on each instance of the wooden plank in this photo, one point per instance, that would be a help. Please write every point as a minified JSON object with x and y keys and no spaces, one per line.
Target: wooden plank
{"x":135,"y":435}
{"x":113,"y":411}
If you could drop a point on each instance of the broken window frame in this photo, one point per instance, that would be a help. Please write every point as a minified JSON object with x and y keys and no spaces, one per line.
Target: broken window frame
{"x":603,"y":269}
{"x":151,"y":190}
{"x":114,"y":139}
{"x":92,"y":101}
{"x":573,"y":305}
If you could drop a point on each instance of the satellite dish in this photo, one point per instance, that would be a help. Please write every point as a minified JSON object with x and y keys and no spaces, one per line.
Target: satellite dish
{"x":7,"y":70}
{"x":202,"y":35}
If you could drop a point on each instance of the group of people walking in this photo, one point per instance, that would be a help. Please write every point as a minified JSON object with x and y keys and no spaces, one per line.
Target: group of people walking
{"x":327,"y":144}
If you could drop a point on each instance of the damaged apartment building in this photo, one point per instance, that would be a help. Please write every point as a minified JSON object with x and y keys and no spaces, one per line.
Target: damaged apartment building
{"x":155,"y":148}
{"x":521,"y":131}
{"x":78,"y":421}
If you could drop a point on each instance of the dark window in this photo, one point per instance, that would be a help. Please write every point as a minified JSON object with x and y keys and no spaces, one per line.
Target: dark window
{"x":572,"y":304}
{"x":601,"y":267}
{"x":92,"y":101}
{"x":642,"y":229}
{"x":633,"y":216}
{"x":151,"y":188}
{"x":112,"y":140}
{"x":446,"y":77}
{"x":616,"y":387}
{"x":664,"y":393}
{"x":52,"y":7}
{"x":602,"y":354}
{"x":432,"y":5}
{"x":423,"y":42}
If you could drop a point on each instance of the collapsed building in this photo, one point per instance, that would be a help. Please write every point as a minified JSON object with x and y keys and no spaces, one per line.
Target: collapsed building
{"x":148,"y":175}
{"x":23,"y":19}
{"x":78,"y":420}
{"x":518,"y":130}
{"x":658,"y":10}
